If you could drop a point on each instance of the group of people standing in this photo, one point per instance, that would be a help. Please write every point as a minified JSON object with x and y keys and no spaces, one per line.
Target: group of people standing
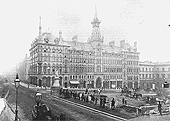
{"x":89,"y":97}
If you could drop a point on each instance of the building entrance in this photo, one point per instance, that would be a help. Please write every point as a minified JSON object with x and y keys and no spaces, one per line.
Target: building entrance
{"x":98,"y":82}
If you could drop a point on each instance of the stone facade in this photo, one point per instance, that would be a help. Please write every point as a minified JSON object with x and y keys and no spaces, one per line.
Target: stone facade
{"x":92,"y":64}
{"x":153,"y":75}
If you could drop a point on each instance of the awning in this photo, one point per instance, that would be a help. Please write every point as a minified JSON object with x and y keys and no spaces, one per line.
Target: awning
{"x":74,"y":82}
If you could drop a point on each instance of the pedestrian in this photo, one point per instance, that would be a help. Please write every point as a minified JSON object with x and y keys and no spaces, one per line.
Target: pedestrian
{"x":101,"y":101}
{"x":87,"y":98}
{"x":86,"y":91}
{"x":96,"y":100}
{"x":104,"y":102}
{"x":113,"y":104}
{"x":160,"y":108}
{"x":82,"y":97}
{"x":123,"y":100}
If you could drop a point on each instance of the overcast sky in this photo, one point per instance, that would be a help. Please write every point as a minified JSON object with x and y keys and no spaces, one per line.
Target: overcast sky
{"x":144,"y":21}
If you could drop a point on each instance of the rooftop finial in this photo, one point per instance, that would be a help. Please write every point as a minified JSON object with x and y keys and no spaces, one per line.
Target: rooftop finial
{"x":95,"y":16}
{"x":40,"y":26}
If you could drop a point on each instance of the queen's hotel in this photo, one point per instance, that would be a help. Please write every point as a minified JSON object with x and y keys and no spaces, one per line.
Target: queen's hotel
{"x":88,"y":65}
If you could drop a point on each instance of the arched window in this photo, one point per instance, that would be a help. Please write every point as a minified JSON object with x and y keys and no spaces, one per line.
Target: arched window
{"x":45,"y":68}
{"x":53,"y":68}
{"x":98,"y":68}
{"x":49,"y":68}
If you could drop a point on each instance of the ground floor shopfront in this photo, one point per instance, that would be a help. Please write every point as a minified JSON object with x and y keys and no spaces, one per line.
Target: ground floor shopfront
{"x":152,"y":83}
{"x":96,"y":82}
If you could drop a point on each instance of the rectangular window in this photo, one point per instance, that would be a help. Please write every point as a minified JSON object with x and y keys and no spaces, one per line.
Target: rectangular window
{"x":143,"y":76}
{"x":163,"y":69}
{"x":163,"y":76}
{"x":146,"y":76}
{"x":168,"y":76}
{"x":153,"y":76}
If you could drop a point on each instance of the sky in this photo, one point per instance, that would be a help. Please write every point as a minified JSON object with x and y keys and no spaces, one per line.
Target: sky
{"x":144,"y":21}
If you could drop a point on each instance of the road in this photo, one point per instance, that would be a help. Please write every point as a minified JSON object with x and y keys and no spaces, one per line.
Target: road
{"x":71,"y":112}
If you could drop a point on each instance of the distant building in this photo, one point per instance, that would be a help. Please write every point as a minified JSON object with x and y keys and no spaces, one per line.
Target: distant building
{"x":23,"y":69}
{"x":153,"y":75}
{"x":90,"y":65}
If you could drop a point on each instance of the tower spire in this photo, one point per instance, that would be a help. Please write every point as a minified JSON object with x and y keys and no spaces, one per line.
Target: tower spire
{"x":95,"y":15}
{"x":96,"y":36}
{"x":40,"y":28}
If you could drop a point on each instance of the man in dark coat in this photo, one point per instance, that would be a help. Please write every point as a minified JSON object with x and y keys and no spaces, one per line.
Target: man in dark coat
{"x":101,"y":101}
{"x":113,"y":104}
{"x":104,"y":102}
{"x":160,"y":108}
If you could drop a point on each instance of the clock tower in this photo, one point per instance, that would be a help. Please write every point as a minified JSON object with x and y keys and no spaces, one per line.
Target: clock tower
{"x":96,"y":35}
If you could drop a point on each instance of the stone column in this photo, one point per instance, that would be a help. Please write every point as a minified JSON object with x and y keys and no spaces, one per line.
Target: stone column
{"x":133,"y":84}
{"x":51,"y":81}
{"x":116,"y":85}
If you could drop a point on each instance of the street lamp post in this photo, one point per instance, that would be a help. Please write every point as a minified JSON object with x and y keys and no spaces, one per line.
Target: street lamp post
{"x":38,"y":98}
{"x":17,"y":83}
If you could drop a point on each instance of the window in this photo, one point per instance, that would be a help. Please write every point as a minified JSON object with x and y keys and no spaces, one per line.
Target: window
{"x":146,"y":76}
{"x":143,"y":76}
{"x":163,"y":76}
{"x":163,"y":69}
{"x":153,"y":76}
{"x":168,"y":76}
{"x":98,"y":69}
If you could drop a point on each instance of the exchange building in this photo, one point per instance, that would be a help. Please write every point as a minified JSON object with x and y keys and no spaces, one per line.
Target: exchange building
{"x":91,"y":64}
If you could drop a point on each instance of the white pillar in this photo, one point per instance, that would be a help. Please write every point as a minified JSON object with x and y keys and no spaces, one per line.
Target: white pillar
{"x":133,"y":84}
{"x":138,"y":84}
{"x":50,"y":81}
{"x":153,"y":86}
{"x":162,"y":85}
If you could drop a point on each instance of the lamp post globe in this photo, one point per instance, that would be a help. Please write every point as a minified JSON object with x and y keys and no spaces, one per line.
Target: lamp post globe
{"x":17,"y":83}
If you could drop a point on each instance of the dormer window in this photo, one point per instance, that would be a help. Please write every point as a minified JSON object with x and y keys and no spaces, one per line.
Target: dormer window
{"x":46,"y":39}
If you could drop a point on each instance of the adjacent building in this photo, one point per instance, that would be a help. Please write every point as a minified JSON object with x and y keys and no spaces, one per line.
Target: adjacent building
{"x":89,"y":65}
{"x":153,"y":75}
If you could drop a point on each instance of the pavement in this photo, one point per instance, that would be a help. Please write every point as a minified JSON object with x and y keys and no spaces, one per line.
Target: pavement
{"x":6,"y":113}
{"x":154,"y":117}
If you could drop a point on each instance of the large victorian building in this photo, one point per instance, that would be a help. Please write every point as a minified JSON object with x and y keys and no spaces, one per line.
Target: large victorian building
{"x":153,"y":75}
{"x":90,"y":65}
